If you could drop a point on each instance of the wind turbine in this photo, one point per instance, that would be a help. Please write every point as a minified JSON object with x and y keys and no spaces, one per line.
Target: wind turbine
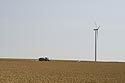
{"x":96,"y":36}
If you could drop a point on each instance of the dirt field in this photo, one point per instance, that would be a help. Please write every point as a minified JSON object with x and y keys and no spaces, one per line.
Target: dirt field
{"x":29,"y":71}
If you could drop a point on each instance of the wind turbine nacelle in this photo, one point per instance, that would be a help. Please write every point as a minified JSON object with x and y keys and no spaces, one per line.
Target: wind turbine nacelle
{"x":95,"y":29}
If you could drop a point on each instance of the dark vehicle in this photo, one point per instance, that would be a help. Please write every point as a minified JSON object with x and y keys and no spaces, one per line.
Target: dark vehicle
{"x":43,"y":59}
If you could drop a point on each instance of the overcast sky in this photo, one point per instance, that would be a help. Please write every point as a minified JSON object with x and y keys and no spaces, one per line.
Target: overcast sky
{"x":62,"y":29}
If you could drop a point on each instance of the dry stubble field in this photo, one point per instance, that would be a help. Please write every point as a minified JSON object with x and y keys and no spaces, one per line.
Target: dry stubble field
{"x":29,"y":71}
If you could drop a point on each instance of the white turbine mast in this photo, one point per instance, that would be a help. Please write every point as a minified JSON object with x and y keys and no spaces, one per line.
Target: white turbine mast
{"x":96,"y":36}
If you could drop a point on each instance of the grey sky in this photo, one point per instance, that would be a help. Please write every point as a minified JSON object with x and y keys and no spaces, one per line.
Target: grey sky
{"x":62,"y":29}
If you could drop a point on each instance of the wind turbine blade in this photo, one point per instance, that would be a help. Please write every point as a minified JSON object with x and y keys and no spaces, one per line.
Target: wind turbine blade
{"x":96,"y":25}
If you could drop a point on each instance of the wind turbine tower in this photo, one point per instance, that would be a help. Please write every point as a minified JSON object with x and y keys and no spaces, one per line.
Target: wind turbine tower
{"x":96,"y":37}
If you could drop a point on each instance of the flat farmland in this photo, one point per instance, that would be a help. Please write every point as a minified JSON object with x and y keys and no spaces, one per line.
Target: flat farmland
{"x":31,"y":71}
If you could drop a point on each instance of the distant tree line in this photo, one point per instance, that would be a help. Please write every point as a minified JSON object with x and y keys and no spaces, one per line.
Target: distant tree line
{"x":44,"y":59}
